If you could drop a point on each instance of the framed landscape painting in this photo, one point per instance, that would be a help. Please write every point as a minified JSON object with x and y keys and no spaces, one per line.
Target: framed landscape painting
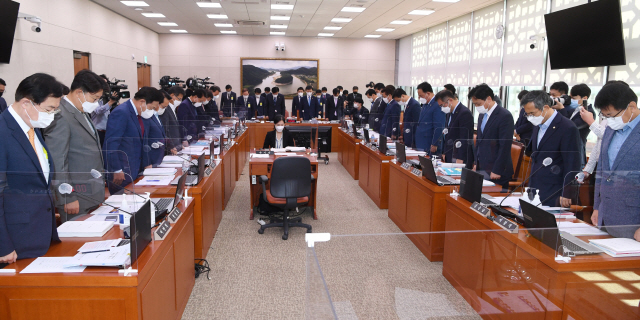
{"x":286,"y":74}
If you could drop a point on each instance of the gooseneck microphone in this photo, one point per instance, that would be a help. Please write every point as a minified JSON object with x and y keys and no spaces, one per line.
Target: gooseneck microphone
{"x":96,"y":174}
{"x":66,"y":188}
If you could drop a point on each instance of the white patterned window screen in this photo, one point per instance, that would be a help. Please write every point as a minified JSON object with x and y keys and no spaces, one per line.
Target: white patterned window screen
{"x":630,"y":72}
{"x":458,"y":51}
{"x":522,"y":65}
{"x":419,"y":58}
{"x":404,"y":61}
{"x":485,"y":53}
{"x":590,"y":76}
{"x":436,"y":62}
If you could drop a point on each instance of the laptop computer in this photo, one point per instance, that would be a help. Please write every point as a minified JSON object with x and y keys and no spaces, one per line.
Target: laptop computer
{"x":140,"y":231}
{"x":471,"y":187}
{"x":382,"y":144}
{"x":401,"y":155}
{"x":542,"y":226}
{"x":365,"y":133}
{"x":193,"y":180}
{"x":164,"y":205}
{"x":430,"y":173}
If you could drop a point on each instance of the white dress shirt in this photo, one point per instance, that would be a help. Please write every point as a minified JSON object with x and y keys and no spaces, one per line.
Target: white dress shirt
{"x":40,"y":151}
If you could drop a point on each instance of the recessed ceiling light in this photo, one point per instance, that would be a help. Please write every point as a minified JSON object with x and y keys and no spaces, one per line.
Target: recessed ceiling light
{"x":352,"y":9}
{"x":135,"y":3}
{"x":373,"y":36}
{"x":281,"y":7}
{"x":223,"y":25}
{"x":178,"y":31}
{"x":446,"y":0}
{"x":401,"y":22}
{"x":421,"y":12}
{"x":341,"y":20}
{"x":283,"y":18}
{"x":168,"y":24}
{"x":138,"y":9}
{"x":217,"y":16}
{"x":385,"y":29}
{"x":278,"y":26}
{"x":332,"y":28}
{"x":228,"y":31}
{"x":208,"y":5}
{"x":325,"y":34}
{"x":277,"y":33}
{"x":153,"y":15}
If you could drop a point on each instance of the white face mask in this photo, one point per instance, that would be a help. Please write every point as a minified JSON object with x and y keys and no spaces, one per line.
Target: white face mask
{"x":481,"y":109}
{"x":536,"y":120}
{"x":161,"y":111}
{"x":176,"y":103}
{"x":379,"y":95}
{"x":257,"y":97}
{"x":446,"y":109}
{"x":44,"y":119}
{"x":87,"y":106}
{"x":319,"y":97}
{"x":402,"y":103}
{"x":147,"y":113}
{"x":246,"y":96}
{"x":309,"y":94}
{"x":617,"y":123}
{"x":386,"y":100}
{"x":197,"y":104}
{"x":206,"y":102}
{"x":357,"y":106}
{"x":423,"y":101}
{"x":299,"y":94}
{"x":279,"y":128}
{"x":370,"y":99}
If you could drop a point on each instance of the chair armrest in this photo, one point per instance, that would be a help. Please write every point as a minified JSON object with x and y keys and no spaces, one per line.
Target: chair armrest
{"x":313,"y":178}
{"x":264,"y":180}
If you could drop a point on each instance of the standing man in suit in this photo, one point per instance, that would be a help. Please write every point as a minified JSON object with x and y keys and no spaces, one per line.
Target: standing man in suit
{"x":580,"y":93}
{"x":212,"y":108}
{"x":555,"y":137}
{"x":228,"y":102}
{"x":188,"y":115}
{"x":27,"y":218}
{"x":431,"y":121}
{"x":352,"y":96}
{"x":155,"y":139}
{"x":276,"y":103}
{"x":296,"y":104}
{"x":523,"y":128}
{"x":322,"y":103}
{"x":617,"y":189}
{"x":459,"y":128}
{"x":359,"y":113}
{"x":123,"y":142}
{"x":267,"y":91}
{"x":324,"y":94}
{"x":170,"y":123}
{"x":390,"y":124}
{"x":410,"y":120}
{"x":260,"y":105}
{"x":559,"y":90}
{"x":334,"y":109}
{"x":75,"y":146}
{"x":495,"y":136}
{"x":375,"y":113}
{"x":245,"y":103}
{"x":3,"y":103}
{"x":310,"y":105}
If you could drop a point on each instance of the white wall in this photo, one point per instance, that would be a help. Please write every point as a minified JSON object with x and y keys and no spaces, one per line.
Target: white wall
{"x":80,"y":25}
{"x":345,"y":62}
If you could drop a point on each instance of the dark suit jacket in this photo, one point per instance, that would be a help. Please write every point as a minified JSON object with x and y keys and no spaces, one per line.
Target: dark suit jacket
{"x":374,"y":115}
{"x":228,"y":102}
{"x":430,"y":126}
{"x":172,"y":130}
{"x":560,"y":143}
{"x":410,"y":122}
{"x":322,"y":104}
{"x":296,"y":105}
{"x":123,"y":144}
{"x":333,"y":111}
{"x":584,"y":130}
{"x":460,"y":129}
{"x":188,"y":118}
{"x":277,"y":107}
{"x":493,"y":146}
{"x":308,"y":111}
{"x":27,"y":219}
{"x":360,"y":117}
{"x":212,"y":110}
{"x":153,"y":133}
{"x":524,"y":128}
{"x":270,"y":139}
{"x":245,"y":112}
{"x":259,"y":108}
{"x":390,"y":124}
{"x":3,"y":105}
{"x":352,"y":97}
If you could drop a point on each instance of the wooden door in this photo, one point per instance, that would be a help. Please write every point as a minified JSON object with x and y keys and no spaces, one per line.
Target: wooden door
{"x":144,"y":75}
{"x":80,"y":62}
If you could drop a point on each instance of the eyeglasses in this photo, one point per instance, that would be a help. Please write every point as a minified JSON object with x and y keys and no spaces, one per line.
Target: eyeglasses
{"x":607,"y":117}
{"x":54,"y":112}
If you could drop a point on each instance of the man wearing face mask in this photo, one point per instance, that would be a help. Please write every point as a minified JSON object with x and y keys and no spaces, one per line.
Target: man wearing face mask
{"x":75,"y":146}
{"x":359,"y":113}
{"x":228,"y":102}
{"x":123,"y":142}
{"x":352,"y":96}
{"x":580,"y":93}
{"x":3,"y":103}
{"x":310,"y":105}
{"x":555,"y":137}
{"x":170,"y":121}
{"x":390,"y":124}
{"x":431,"y":121}
{"x":459,"y":131}
{"x":617,"y":189}
{"x":561,"y":101}
{"x":27,"y":218}
{"x":212,"y":107}
{"x":495,"y":136}
{"x":410,"y":119}
{"x":155,"y":139}
{"x":377,"y":108}
{"x":334,"y":110}
{"x":296,"y":104}
{"x":245,"y":103}
{"x":188,"y":116}
{"x":321,"y":102}
{"x":258,"y":109}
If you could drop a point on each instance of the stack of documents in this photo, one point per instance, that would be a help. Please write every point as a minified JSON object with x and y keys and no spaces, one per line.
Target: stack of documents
{"x":204,"y":143}
{"x":115,"y":257}
{"x":175,"y":159}
{"x":51,"y":265}
{"x":414,"y":153}
{"x":450,"y":171}
{"x":160,"y":172}
{"x":451,"y":165}
{"x":155,"y":180}
{"x":618,"y":247}
{"x":116,"y":200}
{"x":84,"y":229}
{"x":579,"y":229}
{"x":196,"y":150}
{"x":99,"y":246}
{"x":255,"y":155}
{"x":296,"y":149}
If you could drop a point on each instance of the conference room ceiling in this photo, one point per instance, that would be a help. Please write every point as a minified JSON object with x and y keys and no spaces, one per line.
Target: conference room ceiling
{"x":307,"y":19}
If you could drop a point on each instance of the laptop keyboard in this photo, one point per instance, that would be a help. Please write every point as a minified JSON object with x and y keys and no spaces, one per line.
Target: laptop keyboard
{"x":572,"y":246}
{"x":191,"y":180}
{"x":446,"y":180}
{"x":123,"y":243}
{"x":163,"y":203}
{"x":487,"y":201}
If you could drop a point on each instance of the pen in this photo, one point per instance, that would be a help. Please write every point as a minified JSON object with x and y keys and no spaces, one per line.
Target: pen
{"x":153,"y":180}
{"x":95,"y":251}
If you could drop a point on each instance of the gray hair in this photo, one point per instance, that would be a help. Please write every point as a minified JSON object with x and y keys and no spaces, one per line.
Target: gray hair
{"x":539,"y":99}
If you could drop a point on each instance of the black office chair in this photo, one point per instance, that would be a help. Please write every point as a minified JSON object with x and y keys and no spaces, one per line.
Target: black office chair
{"x":290,"y":188}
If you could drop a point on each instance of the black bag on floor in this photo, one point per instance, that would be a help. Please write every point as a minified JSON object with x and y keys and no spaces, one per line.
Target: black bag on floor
{"x":266,"y":209}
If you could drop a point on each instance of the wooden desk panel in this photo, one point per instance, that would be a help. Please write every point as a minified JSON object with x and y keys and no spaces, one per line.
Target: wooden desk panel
{"x":241,"y":153}
{"x":481,"y":261}
{"x":373,"y":174}
{"x":160,"y":289}
{"x":229,"y":173}
{"x":258,"y":131}
{"x":349,"y":154}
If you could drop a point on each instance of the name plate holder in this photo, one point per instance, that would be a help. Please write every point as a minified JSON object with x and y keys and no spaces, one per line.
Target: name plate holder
{"x":174,"y":215}
{"x":506,"y":224}
{"x":406,"y":166}
{"x":207,"y":171}
{"x":416,"y":172}
{"x":162,"y":231}
{"x":480,"y":209}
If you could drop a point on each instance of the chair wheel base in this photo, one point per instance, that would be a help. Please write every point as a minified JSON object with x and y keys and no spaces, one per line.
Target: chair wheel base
{"x":285,"y":236}
{"x":309,"y":230}
{"x":261,"y":231}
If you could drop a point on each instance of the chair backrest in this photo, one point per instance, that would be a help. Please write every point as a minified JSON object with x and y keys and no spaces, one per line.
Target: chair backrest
{"x":517,"y":154}
{"x":291,"y":177}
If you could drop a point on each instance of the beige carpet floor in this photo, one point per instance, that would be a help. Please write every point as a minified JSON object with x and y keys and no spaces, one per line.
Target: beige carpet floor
{"x":256,"y":276}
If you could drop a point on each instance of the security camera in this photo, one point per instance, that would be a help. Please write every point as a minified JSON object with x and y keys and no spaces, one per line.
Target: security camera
{"x":282,"y":46}
{"x":532,"y":46}
{"x":33,"y":19}
{"x":277,"y":46}
{"x":36,"y":29}
{"x":537,"y":40}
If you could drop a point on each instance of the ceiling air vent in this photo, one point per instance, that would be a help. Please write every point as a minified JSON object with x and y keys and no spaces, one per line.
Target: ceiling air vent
{"x":250,"y":23}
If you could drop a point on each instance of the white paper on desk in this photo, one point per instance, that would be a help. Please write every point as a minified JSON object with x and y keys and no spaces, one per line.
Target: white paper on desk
{"x":116,"y":200}
{"x":278,"y":149}
{"x":170,"y":165}
{"x":409,"y":152}
{"x":296,"y":149}
{"x":255,"y":155}
{"x":118,"y":256}
{"x":51,"y":265}
{"x":287,"y":154}
{"x":160,"y":172}
{"x":451,"y":165}
{"x":487,"y":183}
{"x":155,"y":181}
{"x":172,"y":159}
{"x":71,"y":229}
{"x":216,"y":151}
{"x":106,"y":210}
{"x":513,"y":202}
{"x":580,"y":229}
{"x":99,"y":245}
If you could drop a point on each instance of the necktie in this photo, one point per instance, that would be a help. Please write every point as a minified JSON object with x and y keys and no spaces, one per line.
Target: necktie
{"x":275,"y":99}
{"x":32,"y":139}
{"x":309,"y":100}
{"x":448,"y":119}
{"x":141,"y":124}
{"x":484,"y":122}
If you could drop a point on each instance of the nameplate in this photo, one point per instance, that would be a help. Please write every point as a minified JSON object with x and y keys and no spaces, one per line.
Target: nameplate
{"x":207,"y":172}
{"x":385,"y":161}
{"x":416,"y":172}
{"x":174,"y":215}
{"x":406,"y":166}
{"x":162,"y":230}
{"x":479,"y":208}
{"x":506,"y":224}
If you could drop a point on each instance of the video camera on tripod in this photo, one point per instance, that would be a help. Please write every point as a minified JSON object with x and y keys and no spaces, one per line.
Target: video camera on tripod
{"x":199,"y":83}
{"x":116,"y":90}
{"x":167,"y":82}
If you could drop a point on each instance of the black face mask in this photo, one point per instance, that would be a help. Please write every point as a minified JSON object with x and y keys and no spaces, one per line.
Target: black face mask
{"x":1,"y":93}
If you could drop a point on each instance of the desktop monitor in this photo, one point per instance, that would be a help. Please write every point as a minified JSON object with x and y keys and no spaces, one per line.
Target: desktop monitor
{"x":140,"y":230}
{"x":8,"y":21}
{"x":401,"y":154}
{"x":471,"y":185}
{"x":201,"y":165}
{"x":382,"y":144}
{"x":179,"y":190}
{"x":367,"y":139}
